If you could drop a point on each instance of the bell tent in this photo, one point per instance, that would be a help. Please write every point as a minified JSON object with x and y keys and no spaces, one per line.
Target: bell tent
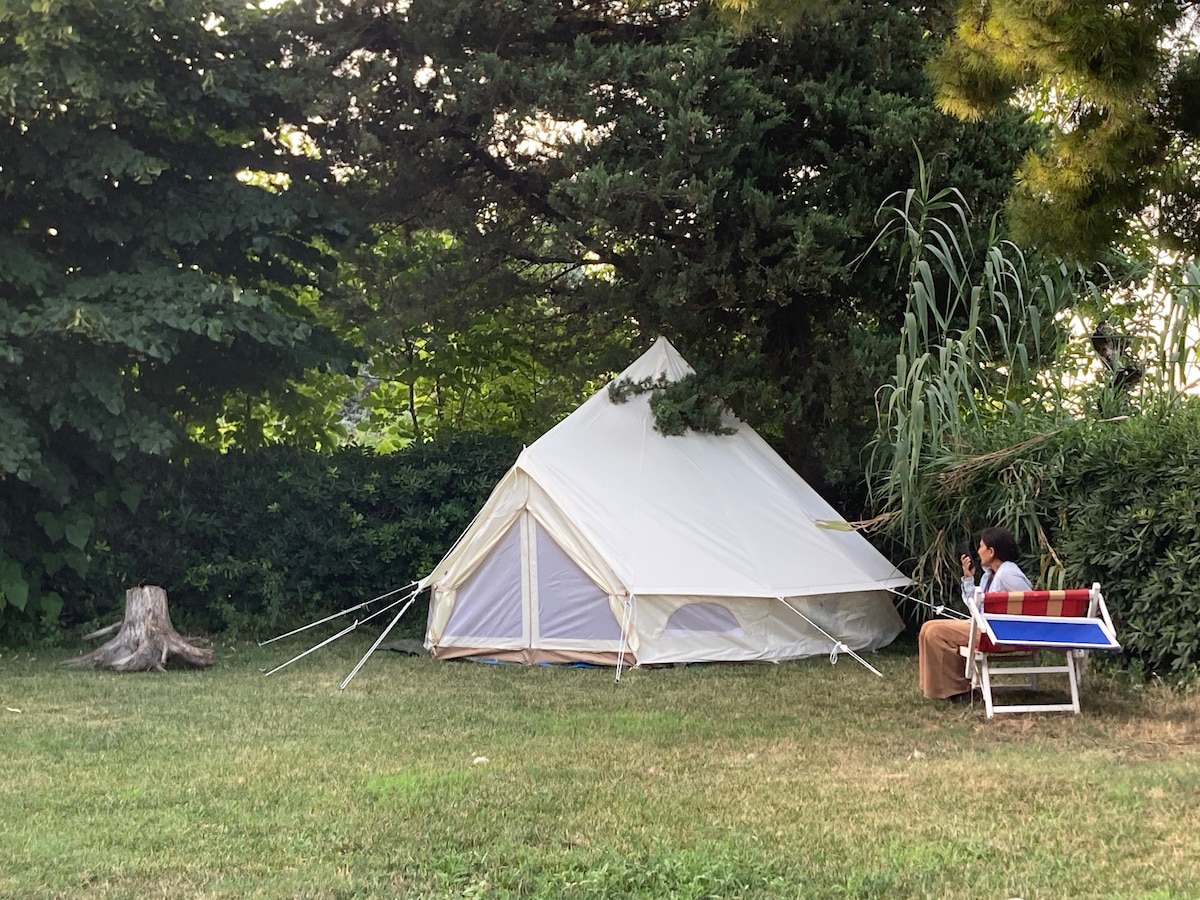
{"x":608,"y":542}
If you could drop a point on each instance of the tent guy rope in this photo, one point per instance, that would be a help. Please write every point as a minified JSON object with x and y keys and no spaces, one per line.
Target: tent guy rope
{"x":349,"y":628}
{"x":624,"y":635}
{"x":938,"y":608}
{"x":337,"y":615}
{"x":838,"y":646}
{"x":379,"y":640}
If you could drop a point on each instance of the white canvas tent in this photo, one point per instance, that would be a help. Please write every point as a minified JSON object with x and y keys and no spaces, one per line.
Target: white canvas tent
{"x":608,"y":542}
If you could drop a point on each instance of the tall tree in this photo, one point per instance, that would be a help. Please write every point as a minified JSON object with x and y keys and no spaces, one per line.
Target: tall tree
{"x":145,"y":274}
{"x":642,"y":165}
{"x":1120,"y":84}
{"x":1115,"y":85}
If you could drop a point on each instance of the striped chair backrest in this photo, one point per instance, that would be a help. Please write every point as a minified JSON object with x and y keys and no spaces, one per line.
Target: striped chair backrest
{"x":1074,"y":602}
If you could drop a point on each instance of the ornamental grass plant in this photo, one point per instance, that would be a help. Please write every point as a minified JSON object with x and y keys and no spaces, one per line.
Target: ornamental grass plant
{"x":435,"y":779}
{"x":1058,"y":401}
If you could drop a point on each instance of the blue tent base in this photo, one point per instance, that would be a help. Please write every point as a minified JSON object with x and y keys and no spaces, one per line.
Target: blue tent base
{"x":490,"y":661}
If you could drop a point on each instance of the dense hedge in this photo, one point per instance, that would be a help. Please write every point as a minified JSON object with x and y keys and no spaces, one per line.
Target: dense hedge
{"x":251,"y":544}
{"x":1127,"y":500}
{"x":1116,"y":502}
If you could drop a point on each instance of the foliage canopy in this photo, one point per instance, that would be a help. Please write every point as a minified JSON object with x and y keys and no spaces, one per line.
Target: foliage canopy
{"x":1116,"y":86}
{"x":148,"y":277}
{"x":642,"y":169}
{"x":1119,"y":83}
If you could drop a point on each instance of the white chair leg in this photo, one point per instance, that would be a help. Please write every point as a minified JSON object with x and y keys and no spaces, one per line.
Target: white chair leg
{"x":986,"y":677}
{"x":1073,"y":676}
{"x":1081,"y":662}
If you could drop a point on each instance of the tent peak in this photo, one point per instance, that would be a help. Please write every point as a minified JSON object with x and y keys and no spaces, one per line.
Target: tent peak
{"x":661,"y":360}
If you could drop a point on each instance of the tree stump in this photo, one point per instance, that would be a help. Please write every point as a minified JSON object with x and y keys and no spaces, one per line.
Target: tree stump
{"x":147,"y":640}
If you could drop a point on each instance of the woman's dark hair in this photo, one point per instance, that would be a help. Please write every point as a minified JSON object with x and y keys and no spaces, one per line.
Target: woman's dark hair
{"x":1003,"y":544}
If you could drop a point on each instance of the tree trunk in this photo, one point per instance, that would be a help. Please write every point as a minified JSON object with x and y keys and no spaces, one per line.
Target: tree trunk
{"x":147,"y":640}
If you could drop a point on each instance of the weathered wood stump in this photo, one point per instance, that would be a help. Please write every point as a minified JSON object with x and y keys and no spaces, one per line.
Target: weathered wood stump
{"x":146,"y":641}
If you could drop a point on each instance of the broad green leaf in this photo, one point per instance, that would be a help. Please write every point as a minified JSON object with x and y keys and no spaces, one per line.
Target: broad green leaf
{"x":52,"y":523}
{"x":52,"y":605}
{"x":79,"y":529}
{"x":132,"y":495}
{"x":13,"y":586}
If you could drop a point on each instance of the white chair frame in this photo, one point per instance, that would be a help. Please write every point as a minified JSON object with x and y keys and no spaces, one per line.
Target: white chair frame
{"x":1055,"y":634}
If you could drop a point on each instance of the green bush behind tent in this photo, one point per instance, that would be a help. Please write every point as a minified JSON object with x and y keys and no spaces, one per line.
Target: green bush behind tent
{"x":1109,"y":501}
{"x":248,"y":544}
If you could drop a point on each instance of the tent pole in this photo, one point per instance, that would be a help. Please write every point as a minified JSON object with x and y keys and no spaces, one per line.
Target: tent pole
{"x":624,"y":635}
{"x":335,"y":615}
{"x":379,"y":640}
{"x":344,"y":631}
{"x":838,"y":646}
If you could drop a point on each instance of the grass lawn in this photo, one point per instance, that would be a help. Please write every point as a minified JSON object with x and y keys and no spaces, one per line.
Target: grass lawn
{"x":429,"y":779}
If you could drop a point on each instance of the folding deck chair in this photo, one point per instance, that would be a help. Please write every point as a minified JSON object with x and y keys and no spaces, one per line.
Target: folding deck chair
{"x":1010,"y":630}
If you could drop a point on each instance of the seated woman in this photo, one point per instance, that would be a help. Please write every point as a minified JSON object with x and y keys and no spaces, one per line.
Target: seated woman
{"x":942,"y":668}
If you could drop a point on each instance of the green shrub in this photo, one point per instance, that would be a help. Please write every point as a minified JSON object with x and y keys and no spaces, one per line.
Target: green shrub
{"x":1116,"y":502}
{"x":1127,"y":498}
{"x":252,"y":543}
